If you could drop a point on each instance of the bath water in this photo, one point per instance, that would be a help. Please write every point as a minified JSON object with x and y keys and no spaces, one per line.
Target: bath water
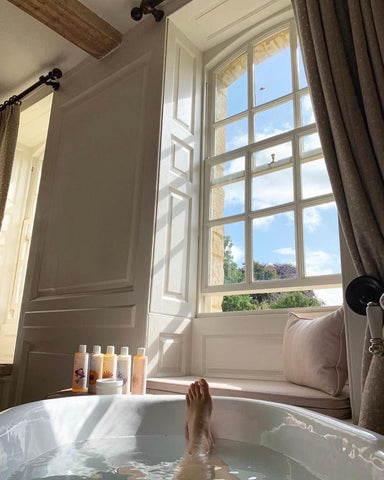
{"x":155,"y":457}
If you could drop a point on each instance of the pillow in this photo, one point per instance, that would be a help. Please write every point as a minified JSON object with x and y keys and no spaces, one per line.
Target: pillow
{"x":314,"y":352}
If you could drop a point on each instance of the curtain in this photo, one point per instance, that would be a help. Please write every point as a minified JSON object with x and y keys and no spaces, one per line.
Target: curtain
{"x":9,"y":124}
{"x":343,"y":51}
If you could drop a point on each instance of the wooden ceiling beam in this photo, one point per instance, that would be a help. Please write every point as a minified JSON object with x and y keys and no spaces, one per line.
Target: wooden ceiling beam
{"x":75,"y":22}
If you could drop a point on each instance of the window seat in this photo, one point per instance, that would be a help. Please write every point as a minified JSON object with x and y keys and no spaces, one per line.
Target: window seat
{"x":274,"y":391}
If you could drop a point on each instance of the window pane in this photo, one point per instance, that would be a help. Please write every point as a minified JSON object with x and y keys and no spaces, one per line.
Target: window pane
{"x":321,"y":240}
{"x":227,"y":254}
{"x":231,"y":136}
{"x":307,"y":115}
{"x":271,"y":57}
{"x":274,"y":300}
{"x":221,"y":170}
{"x":274,"y":254}
{"x":314,"y":179}
{"x":231,"y":94}
{"x":302,"y":77}
{"x":273,"y":154}
{"x":329,"y":296}
{"x":227,"y":199}
{"x":275,"y":188}
{"x":273,"y":121}
{"x":310,"y":143}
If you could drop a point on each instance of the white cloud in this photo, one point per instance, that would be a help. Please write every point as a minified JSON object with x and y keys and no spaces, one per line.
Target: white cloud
{"x":234,"y":166}
{"x":234,"y":193}
{"x":271,"y":132}
{"x":307,"y":111}
{"x":285,"y":251}
{"x":238,"y":254}
{"x":237,"y":142}
{"x":311,"y":218}
{"x":319,"y":262}
{"x":315,"y":180}
{"x":263,"y":223}
{"x":272,"y":189}
{"x":310,"y":142}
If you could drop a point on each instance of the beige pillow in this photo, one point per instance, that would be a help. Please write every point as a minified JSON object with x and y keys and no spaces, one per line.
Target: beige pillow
{"x":314,"y":352}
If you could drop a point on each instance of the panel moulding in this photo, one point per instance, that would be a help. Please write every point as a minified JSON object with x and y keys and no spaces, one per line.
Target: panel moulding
{"x":177,"y":256}
{"x":172,"y":354}
{"x":52,"y":277}
{"x":243,"y":356}
{"x":181,"y":159}
{"x":184,"y":90}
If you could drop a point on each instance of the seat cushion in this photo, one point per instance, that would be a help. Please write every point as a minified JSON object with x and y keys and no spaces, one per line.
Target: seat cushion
{"x":272,"y":391}
{"x":314,"y":352}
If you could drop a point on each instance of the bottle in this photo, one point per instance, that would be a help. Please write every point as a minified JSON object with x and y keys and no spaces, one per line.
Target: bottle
{"x":96,"y":368}
{"x":80,"y":370}
{"x":110,"y":363}
{"x":139,"y":372}
{"x":124,"y":369}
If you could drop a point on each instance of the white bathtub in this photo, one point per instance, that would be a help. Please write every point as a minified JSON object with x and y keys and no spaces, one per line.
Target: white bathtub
{"x":330,"y":449}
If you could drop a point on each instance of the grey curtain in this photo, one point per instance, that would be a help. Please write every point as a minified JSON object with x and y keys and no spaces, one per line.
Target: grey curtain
{"x":9,"y":125}
{"x":343,"y":49}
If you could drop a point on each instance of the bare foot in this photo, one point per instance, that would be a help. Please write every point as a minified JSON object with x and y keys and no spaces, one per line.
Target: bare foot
{"x":199,"y":410}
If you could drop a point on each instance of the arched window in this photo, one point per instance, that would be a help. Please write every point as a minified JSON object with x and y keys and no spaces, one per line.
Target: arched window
{"x":270,"y":222}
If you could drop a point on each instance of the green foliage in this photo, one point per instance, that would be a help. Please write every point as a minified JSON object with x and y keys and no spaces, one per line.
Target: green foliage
{"x":237,"y":302}
{"x":262,"y":271}
{"x":295,"y":299}
{"x":232,"y":273}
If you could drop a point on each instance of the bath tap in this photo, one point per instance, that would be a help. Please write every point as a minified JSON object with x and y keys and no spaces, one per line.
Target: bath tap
{"x":375,"y":322}
{"x":365,"y":296}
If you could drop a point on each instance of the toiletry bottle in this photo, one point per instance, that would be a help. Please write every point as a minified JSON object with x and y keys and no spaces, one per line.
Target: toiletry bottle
{"x":80,"y":370}
{"x":139,"y":372}
{"x":110,"y":363}
{"x":124,"y":369}
{"x":96,"y":368}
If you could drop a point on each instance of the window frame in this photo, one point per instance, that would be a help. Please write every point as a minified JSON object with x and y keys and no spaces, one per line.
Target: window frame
{"x":301,"y":282}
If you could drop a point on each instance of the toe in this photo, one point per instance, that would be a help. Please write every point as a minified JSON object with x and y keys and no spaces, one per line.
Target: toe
{"x":204,"y":387}
{"x":188,"y":398}
{"x":192,"y":391}
{"x":197,"y":389}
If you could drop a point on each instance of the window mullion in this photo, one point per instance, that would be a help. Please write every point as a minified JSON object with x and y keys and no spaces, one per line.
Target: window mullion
{"x":248,"y":221}
{"x":299,"y":229}
{"x":295,"y":74}
{"x":251,"y":126}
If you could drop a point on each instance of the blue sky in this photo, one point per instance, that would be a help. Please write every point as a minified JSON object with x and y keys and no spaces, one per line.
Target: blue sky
{"x":274,"y":236}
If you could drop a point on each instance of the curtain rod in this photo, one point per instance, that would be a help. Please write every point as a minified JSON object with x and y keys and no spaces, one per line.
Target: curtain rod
{"x":48,"y":79}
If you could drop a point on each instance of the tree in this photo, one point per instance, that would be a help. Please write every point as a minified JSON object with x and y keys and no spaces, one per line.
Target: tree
{"x":262,"y":271}
{"x":232,"y":272}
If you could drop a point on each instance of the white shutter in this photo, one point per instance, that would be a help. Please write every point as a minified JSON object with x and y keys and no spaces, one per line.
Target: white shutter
{"x":89,"y":268}
{"x":174,"y":277}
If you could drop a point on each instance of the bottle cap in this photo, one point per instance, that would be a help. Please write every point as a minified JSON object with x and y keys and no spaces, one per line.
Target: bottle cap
{"x":96,"y":349}
{"x":124,"y":351}
{"x":83,"y":348}
{"x":110,"y":350}
{"x":141,"y":352}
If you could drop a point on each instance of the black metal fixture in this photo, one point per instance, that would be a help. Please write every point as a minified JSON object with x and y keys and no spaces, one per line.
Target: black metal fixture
{"x":147,"y":6}
{"x":49,"y":79}
{"x":365,"y":296}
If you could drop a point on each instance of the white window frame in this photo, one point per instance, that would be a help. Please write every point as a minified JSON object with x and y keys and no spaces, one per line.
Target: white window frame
{"x":301,"y":282}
